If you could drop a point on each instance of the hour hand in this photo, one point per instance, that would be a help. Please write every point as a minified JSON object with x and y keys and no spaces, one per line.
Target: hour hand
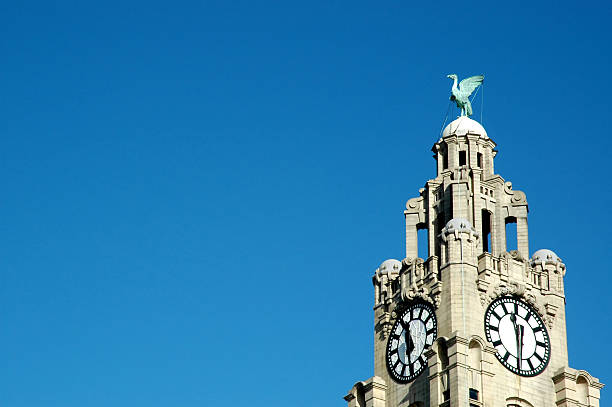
{"x":409,"y":342}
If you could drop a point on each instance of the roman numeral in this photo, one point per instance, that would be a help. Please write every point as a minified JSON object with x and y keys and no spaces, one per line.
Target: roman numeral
{"x":506,"y":356}
{"x":516,"y":308}
{"x":538,"y":356}
{"x":530,"y":364}
{"x":537,"y":328}
{"x":494,"y":328}
{"x":397,"y":362}
{"x":395,"y":336}
{"x":497,"y":343}
{"x":503,"y":304}
{"x":420,"y":313}
{"x":496,"y":314}
{"x":542,"y":344}
{"x":430,"y":331}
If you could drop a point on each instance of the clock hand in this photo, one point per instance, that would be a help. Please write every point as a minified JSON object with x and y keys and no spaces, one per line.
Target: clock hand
{"x":519,"y":339}
{"x":409,"y":344}
{"x":519,"y":331}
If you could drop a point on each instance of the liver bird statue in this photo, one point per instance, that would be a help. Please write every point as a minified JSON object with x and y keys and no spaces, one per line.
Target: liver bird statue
{"x":461,"y":95}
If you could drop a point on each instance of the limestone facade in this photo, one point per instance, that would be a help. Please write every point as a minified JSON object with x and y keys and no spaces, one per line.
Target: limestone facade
{"x":465,"y":211}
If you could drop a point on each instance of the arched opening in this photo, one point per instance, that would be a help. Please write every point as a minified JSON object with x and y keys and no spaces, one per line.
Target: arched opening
{"x":475,"y":364}
{"x":486,"y":231}
{"x":444,"y":377}
{"x":517,"y":402}
{"x":582,"y":390}
{"x":475,"y":355}
{"x":511,"y":236}
{"x":479,"y":160}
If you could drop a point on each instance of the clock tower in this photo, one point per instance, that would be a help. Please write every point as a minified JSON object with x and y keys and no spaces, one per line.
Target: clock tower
{"x":473,"y":324}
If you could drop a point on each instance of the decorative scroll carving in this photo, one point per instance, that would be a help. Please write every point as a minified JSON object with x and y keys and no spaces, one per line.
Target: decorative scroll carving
{"x":414,"y":279}
{"x":415,"y":205}
{"x":518,"y":197}
{"x":519,"y":290}
{"x":515,"y":255}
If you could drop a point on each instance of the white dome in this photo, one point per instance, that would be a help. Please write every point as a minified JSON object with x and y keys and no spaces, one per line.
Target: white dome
{"x":545,"y":256}
{"x":390,"y":265}
{"x":459,"y":225}
{"x":464,"y":125}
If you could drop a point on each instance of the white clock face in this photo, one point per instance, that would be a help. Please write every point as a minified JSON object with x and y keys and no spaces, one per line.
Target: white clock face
{"x":412,"y":334}
{"x":518,"y":334}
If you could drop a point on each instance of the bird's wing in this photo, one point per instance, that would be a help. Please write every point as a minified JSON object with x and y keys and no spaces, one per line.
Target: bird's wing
{"x":468,"y":85}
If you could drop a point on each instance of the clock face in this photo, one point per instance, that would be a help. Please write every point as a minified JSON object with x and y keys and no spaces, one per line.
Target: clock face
{"x":519,"y":336}
{"x":412,"y":334}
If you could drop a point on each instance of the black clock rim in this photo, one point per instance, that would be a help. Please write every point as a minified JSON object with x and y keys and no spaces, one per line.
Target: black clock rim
{"x":413,"y":377}
{"x":548,"y":352}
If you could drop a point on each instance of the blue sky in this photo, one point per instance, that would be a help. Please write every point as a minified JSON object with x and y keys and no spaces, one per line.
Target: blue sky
{"x":196,"y":194}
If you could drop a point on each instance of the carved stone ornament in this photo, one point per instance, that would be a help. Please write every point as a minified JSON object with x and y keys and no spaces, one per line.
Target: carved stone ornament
{"x":518,"y":197}
{"x":410,"y":291}
{"x":422,"y":293}
{"x":515,"y":255}
{"x":414,"y":205}
{"x":384,"y":325}
{"x":519,"y":290}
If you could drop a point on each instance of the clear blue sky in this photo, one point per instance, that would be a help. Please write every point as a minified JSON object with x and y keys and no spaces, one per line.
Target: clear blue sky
{"x":196,"y":194}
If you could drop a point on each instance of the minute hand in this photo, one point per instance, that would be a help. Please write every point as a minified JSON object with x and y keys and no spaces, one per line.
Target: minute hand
{"x":519,"y":331}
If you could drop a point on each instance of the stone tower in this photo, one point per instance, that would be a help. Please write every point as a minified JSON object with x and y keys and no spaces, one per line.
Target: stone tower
{"x":498,"y":336}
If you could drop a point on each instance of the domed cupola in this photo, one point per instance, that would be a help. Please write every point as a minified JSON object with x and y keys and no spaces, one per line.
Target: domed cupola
{"x":464,"y":125}
{"x":545,"y":256}
{"x":465,"y":144}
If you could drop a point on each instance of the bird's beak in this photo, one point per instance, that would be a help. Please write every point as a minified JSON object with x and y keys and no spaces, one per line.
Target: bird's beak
{"x":448,"y":76}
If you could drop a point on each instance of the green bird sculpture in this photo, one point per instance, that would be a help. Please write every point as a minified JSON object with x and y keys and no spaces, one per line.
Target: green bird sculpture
{"x":461,"y":94}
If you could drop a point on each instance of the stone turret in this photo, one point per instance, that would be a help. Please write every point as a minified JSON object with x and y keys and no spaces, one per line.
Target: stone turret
{"x":466,"y":187}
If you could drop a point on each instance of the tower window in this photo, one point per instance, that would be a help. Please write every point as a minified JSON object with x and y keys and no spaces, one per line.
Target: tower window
{"x":422,"y":241}
{"x":486,"y":231}
{"x":438,"y":225}
{"x":473,"y":394}
{"x":511,"y":236}
{"x":462,"y":157}
{"x":479,"y":160}
{"x":444,"y":161}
